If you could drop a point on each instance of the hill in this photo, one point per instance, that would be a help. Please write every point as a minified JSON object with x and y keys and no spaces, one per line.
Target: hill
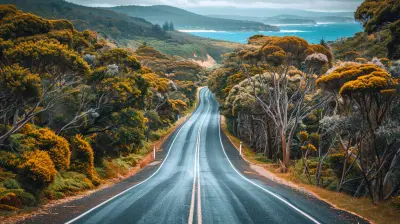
{"x":183,"y":19}
{"x":291,"y":19}
{"x":124,"y":30}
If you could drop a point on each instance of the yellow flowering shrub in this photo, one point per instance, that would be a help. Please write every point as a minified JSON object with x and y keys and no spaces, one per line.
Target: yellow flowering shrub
{"x":310,"y":147}
{"x":338,"y":77}
{"x":178,"y":105}
{"x":83,"y":161}
{"x":303,"y":136}
{"x":374,"y":82}
{"x":38,"y":166}
{"x":45,"y":139}
{"x":159,"y":84}
{"x":361,"y":60}
{"x":20,"y":82}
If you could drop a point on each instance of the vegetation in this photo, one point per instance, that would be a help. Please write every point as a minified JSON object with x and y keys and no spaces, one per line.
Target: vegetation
{"x":76,"y":110}
{"x":333,"y":123}
{"x":381,"y":37}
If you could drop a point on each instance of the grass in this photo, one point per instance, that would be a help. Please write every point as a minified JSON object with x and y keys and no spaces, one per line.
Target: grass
{"x":383,"y":213}
{"x":67,"y":184}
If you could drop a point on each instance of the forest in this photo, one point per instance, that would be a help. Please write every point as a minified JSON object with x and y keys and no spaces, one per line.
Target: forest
{"x":76,"y":110}
{"x":329,"y":112}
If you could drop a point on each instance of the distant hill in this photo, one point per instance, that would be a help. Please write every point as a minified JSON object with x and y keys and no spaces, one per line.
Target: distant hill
{"x":291,"y":19}
{"x":183,"y":19}
{"x":126,"y":31}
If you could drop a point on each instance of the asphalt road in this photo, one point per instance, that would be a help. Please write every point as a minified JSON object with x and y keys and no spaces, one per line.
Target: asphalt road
{"x":201,"y":179}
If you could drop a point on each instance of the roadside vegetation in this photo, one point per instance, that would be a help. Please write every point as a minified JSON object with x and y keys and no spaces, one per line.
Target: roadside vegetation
{"x":330,"y":121}
{"x":77,"y":111}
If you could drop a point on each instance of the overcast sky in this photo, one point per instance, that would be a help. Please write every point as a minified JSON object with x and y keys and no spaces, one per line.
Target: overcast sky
{"x":310,"y":5}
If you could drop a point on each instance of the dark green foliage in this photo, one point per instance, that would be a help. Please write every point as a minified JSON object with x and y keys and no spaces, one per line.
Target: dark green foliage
{"x":369,"y":46}
{"x":394,"y":44}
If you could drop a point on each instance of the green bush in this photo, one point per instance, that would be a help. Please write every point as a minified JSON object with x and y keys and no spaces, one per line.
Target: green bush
{"x":26,"y":198}
{"x":11,"y":184}
{"x":68,"y":183}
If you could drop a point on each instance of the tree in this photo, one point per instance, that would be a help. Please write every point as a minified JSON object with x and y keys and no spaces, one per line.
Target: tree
{"x":374,"y":94}
{"x":60,"y":70}
{"x":166,"y":26}
{"x":171,"y":26}
{"x":286,"y":102}
{"x":380,"y":15}
{"x":323,"y":43}
{"x":374,"y":15}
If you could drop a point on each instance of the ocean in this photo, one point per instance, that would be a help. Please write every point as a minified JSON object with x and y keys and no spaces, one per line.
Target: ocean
{"x":311,"y":33}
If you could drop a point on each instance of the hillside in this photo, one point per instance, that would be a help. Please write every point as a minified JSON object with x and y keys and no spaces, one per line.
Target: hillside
{"x":183,"y":19}
{"x":125,"y":31}
{"x":291,"y":19}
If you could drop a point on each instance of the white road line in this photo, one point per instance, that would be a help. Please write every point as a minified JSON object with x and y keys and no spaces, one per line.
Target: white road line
{"x":199,"y":216}
{"x":265,"y":190}
{"x":190,"y":221}
{"x":169,"y":150}
{"x":197,"y":174}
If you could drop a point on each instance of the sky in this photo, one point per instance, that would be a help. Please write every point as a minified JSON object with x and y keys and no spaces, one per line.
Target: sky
{"x":309,"y":5}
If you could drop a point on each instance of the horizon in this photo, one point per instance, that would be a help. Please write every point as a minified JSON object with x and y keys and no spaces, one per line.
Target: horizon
{"x":291,"y":7}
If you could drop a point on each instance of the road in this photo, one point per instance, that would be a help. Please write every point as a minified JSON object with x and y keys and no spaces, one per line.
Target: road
{"x":203,"y":179}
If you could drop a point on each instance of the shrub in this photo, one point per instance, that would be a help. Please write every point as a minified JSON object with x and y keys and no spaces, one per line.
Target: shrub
{"x":13,"y":199}
{"x":9,"y":200}
{"x":11,"y":184}
{"x":67,"y":183}
{"x":9,"y":160}
{"x":83,"y":161}
{"x":38,"y":167}
{"x":46,"y":140}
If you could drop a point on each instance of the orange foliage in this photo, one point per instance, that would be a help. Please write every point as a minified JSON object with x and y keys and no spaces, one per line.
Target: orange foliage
{"x":20,"y":82}
{"x":336,"y":79}
{"x":84,"y":158}
{"x":38,"y":166}
{"x":178,"y":105}
{"x":45,"y":139}
{"x":159,"y":84}
{"x":374,"y":82}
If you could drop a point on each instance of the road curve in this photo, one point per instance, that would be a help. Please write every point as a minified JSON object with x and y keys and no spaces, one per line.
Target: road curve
{"x":203,"y":179}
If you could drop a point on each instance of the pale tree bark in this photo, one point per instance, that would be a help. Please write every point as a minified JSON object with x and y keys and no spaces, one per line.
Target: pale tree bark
{"x":286,"y":107}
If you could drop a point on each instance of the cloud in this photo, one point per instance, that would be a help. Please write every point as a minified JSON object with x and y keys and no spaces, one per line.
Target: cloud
{"x":310,"y":5}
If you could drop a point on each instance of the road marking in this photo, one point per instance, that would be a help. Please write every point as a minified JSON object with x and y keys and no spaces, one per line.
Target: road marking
{"x":197,"y":174}
{"x":169,"y":150}
{"x":190,"y":221}
{"x":265,"y":190}
{"x":199,"y":216}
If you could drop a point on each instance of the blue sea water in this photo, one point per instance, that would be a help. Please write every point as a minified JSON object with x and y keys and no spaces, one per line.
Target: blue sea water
{"x":311,"y":33}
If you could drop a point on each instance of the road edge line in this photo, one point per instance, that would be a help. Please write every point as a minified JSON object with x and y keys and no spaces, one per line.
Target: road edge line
{"x":265,"y":190}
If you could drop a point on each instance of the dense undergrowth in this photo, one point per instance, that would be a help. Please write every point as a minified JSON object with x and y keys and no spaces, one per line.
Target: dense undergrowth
{"x":76,"y":111}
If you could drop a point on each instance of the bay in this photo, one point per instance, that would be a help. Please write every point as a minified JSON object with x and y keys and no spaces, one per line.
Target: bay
{"x":311,"y":33}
